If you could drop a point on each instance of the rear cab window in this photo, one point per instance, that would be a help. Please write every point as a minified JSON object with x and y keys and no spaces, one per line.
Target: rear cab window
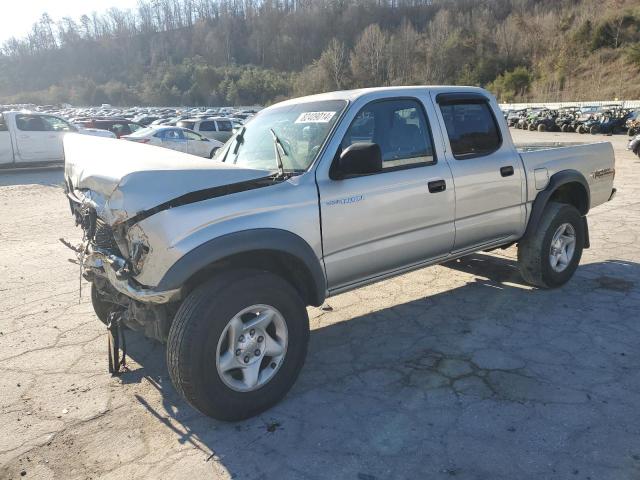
{"x":471,"y":127}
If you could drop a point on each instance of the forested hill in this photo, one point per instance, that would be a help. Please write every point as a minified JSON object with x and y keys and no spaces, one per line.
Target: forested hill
{"x":217,"y":52}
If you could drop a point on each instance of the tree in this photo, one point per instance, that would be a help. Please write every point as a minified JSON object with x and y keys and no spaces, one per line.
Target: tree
{"x":370,"y":58}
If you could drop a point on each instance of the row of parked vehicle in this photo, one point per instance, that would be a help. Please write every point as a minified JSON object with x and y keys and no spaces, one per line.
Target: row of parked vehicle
{"x":607,"y":119}
{"x":34,"y":136}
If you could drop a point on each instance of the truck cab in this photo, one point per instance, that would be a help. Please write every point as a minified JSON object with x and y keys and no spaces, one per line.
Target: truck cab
{"x":315,"y":196}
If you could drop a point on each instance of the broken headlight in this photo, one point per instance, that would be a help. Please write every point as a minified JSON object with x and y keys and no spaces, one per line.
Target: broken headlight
{"x":138,"y":248}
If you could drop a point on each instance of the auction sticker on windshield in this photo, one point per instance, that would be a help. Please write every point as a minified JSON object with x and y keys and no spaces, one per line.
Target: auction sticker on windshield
{"x":315,"y":117}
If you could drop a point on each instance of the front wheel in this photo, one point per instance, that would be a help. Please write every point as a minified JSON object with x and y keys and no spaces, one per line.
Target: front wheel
{"x":549,"y":256}
{"x":237,"y":344}
{"x":101,"y":306}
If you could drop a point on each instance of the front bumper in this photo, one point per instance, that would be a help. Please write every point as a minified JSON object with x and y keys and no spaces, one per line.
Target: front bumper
{"x":106,"y":264}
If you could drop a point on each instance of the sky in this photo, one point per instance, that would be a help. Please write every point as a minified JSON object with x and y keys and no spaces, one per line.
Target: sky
{"x":18,"y":16}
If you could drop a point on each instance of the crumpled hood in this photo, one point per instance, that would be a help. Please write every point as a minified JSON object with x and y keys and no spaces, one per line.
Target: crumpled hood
{"x":123,"y":178}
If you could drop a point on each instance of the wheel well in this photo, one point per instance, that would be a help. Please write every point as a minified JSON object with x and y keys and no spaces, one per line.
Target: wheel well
{"x":285,"y":265}
{"x":572,"y":193}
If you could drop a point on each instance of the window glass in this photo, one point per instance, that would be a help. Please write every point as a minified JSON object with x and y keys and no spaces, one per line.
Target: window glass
{"x":299,"y":129}
{"x":471,"y":128}
{"x":399,"y":127}
{"x":192,"y":135}
{"x":30,"y":123}
{"x":133,"y":127}
{"x":209,"y":126}
{"x":3,"y":125}
{"x":119,"y":129}
{"x":189,"y":125}
{"x":170,"y":134}
{"x":224,"y":125}
{"x":57,"y":124}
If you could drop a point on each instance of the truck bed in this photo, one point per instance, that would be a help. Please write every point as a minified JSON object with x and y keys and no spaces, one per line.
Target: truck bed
{"x":595,"y":161}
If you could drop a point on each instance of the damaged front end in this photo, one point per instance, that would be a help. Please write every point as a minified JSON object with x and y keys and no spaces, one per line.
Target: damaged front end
{"x":110,"y":263}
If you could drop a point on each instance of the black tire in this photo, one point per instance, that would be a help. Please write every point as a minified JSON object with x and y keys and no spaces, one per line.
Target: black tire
{"x":196,"y":330}
{"x":580,"y":129}
{"x":594,"y":129}
{"x":564,"y":128}
{"x":532,"y":127}
{"x":100,"y":305}
{"x":542,"y":127}
{"x":631,"y":132}
{"x":533,"y":251}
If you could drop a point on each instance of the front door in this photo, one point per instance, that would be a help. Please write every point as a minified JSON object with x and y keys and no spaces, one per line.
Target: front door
{"x":37,"y":138}
{"x":489,"y":175}
{"x":375,"y":224}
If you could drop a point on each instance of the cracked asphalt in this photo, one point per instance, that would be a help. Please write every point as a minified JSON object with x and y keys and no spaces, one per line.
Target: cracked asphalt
{"x":455,"y":371}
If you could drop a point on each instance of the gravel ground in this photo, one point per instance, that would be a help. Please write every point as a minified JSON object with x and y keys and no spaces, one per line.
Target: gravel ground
{"x":455,"y":371}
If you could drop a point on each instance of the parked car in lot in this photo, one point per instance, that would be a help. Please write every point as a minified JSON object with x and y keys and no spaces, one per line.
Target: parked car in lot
{"x":218,"y":128}
{"x":219,"y":259}
{"x":118,"y":126}
{"x":33,"y":139}
{"x":176,"y":138}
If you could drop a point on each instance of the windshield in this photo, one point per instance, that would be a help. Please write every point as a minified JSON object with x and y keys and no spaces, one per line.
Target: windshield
{"x":300,"y":128}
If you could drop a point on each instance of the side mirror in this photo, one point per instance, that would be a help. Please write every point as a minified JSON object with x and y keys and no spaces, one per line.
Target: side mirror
{"x":360,"y":159}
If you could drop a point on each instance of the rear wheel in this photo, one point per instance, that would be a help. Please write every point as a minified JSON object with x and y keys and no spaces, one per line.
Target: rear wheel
{"x":542,"y":127}
{"x":237,"y":344}
{"x":564,"y":128}
{"x":594,"y":129}
{"x":550,"y":255}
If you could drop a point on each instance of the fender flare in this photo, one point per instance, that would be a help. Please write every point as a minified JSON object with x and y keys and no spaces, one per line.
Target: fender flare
{"x":247,"y":241}
{"x":556,"y":181}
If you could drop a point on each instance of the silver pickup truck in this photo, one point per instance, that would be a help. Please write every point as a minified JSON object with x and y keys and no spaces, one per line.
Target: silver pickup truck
{"x":314,"y":197}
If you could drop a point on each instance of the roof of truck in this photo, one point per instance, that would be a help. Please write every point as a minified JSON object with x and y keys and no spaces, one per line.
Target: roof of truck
{"x":352,"y":95}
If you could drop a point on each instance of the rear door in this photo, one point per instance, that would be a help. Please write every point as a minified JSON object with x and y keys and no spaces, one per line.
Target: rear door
{"x":488,"y":172}
{"x":197,"y":144}
{"x":402,"y":216}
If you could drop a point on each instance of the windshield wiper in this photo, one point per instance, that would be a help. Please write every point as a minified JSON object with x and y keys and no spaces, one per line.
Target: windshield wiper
{"x":277,"y":144}
{"x":239,"y":139}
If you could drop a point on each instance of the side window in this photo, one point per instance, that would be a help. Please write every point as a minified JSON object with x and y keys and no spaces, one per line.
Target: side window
{"x":30,"y":123}
{"x":208,"y":126}
{"x":472,"y":129}
{"x":399,"y":127}
{"x":119,"y":129}
{"x":57,"y":124}
{"x":3,"y":125}
{"x":170,"y":135}
{"x":192,"y":135}
{"x":134,"y":126}
{"x":224,"y":126}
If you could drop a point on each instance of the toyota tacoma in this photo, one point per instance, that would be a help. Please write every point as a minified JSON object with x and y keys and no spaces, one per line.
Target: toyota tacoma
{"x":313,"y":197}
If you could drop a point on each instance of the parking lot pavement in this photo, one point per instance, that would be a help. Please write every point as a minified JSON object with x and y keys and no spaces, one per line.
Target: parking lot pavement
{"x":455,"y":371}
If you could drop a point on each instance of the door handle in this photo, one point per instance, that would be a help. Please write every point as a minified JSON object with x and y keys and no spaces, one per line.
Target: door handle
{"x":437,"y":186}
{"x":506,"y":171}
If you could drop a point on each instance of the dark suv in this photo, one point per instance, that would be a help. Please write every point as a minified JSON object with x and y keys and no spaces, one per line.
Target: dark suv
{"x":119,"y":126}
